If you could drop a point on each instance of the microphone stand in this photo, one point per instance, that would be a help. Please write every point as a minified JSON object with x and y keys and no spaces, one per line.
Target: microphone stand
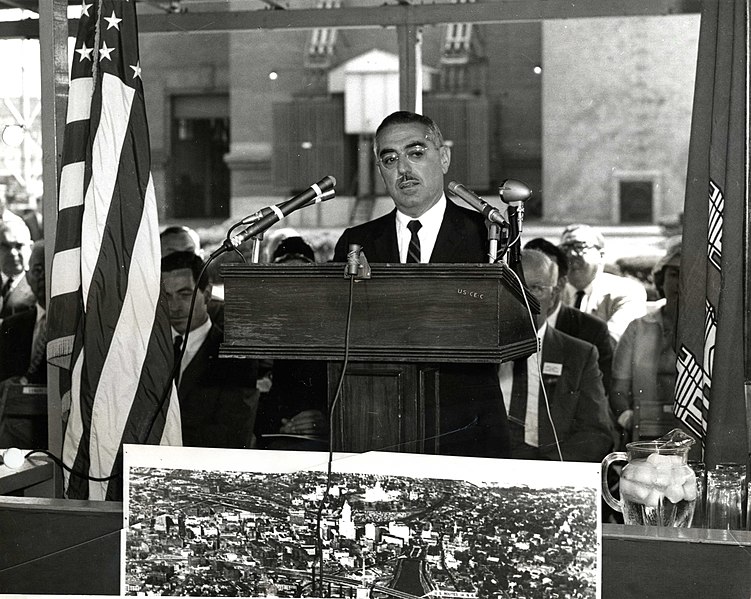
{"x":256,"y":249}
{"x":494,"y":234}
{"x":516,"y":216}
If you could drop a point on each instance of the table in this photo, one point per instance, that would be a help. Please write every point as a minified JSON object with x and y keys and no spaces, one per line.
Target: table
{"x":35,"y":478}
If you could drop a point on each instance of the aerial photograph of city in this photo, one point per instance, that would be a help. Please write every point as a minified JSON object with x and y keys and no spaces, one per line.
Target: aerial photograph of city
{"x":219,"y":531}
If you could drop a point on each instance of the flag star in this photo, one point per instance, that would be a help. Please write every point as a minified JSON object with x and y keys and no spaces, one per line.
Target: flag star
{"x":84,"y":52}
{"x":85,"y":8}
{"x":113,"y":21}
{"x":104,"y":52}
{"x":136,"y":69}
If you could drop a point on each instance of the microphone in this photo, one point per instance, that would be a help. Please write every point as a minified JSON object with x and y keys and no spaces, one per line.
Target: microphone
{"x":514,"y":193}
{"x":353,"y":259}
{"x":278,"y":209}
{"x":318,"y":192}
{"x":490,"y":212}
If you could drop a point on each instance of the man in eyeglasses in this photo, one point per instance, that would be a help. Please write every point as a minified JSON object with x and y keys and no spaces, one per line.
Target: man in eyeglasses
{"x":616,"y":300}
{"x":15,"y":250}
{"x":555,"y":398}
{"x":424,"y":227}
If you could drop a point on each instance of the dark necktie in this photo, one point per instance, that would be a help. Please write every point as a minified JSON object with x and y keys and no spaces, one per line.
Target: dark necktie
{"x":413,"y":253}
{"x":178,"y":343}
{"x":39,"y":347}
{"x":578,"y":300}
{"x":6,"y":287}
{"x":517,"y":413}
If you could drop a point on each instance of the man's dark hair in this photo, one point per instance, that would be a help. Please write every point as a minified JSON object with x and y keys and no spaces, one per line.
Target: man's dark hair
{"x":181,"y":260}
{"x":293,"y":248}
{"x":552,"y":250}
{"x":404,"y":117}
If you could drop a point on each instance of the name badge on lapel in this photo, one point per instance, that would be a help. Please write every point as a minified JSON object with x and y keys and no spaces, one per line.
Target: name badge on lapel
{"x":552,"y":368}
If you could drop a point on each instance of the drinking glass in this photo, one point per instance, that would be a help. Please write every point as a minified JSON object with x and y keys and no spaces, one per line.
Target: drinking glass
{"x":700,"y":471}
{"x":725,"y":484}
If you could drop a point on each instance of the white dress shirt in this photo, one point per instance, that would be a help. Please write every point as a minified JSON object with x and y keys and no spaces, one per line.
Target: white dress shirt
{"x":428,"y":233}
{"x":552,"y":318}
{"x":195,"y":339}
{"x":506,"y":377}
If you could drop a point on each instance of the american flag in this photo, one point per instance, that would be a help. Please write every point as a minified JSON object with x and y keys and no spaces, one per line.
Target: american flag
{"x":710,"y":394}
{"x":108,"y":330}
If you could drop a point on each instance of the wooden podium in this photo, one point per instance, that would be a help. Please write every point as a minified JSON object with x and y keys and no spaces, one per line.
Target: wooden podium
{"x":406,"y":320}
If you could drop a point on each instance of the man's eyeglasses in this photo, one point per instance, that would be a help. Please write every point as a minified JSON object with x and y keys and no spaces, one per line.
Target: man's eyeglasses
{"x":414,"y":155}
{"x":539,"y":289}
{"x":12,"y":246}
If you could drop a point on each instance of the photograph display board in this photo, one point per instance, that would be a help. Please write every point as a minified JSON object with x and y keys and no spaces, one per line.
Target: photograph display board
{"x":216,"y":522}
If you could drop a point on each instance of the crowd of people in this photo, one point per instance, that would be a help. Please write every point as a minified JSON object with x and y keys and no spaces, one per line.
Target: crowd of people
{"x":605,"y":352}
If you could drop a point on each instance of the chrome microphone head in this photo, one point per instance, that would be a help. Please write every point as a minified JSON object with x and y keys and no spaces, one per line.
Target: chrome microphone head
{"x":513,"y":191}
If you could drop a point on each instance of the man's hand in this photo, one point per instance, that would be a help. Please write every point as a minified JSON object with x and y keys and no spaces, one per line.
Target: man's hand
{"x":307,"y":422}
{"x":626,"y":420}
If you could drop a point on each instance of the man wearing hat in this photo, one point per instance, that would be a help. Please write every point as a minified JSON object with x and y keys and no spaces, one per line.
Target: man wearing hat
{"x":616,"y":300}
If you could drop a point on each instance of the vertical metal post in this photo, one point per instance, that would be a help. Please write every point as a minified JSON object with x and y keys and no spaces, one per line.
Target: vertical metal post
{"x":53,"y":52}
{"x":410,"y":67}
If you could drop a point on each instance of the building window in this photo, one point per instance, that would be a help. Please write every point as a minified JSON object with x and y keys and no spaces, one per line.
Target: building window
{"x":636,"y":196}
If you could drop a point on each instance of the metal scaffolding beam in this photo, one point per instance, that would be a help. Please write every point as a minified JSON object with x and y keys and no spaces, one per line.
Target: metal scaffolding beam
{"x":498,"y":11}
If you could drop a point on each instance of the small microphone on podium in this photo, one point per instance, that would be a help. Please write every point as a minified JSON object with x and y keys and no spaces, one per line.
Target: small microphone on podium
{"x":353,"y":259}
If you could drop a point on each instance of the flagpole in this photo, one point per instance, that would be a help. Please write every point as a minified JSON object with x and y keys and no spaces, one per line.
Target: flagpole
{"x":746,"y":255}
{"x":53,"y":51}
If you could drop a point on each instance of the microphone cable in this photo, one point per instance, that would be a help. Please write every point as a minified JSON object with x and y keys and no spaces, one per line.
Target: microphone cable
{"x":539,"y":370}
{"x":329,"y":462}
{"x":165,"y":394}
{"x":179,"y":357}
{"x":65,"y":467}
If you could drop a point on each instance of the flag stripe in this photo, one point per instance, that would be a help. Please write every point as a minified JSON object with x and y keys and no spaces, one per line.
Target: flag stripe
{"x":75,"y":141}
{"x":79,"y":100}
{"x":71,"y":187}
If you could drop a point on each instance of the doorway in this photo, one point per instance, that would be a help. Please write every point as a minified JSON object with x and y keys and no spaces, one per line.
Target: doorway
{"x":199,"y":178}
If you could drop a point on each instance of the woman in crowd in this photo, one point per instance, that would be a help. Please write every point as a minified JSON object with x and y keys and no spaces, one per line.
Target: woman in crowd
{"x":644,"y":359}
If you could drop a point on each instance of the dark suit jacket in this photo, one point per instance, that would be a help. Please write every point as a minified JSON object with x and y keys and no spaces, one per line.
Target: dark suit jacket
{"x":462,"y":238}
{"x":218,"y":397}
{"x":20,"y":299}
{"x":16,"y":335}
{"x":472,"y":415}
{"x":593,"y":330}
{"x":577,"y":401}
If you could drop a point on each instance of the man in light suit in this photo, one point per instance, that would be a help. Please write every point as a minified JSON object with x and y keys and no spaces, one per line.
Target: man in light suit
{"x":413,"y":160}
{"x":218,"y":397}
{"x":571,"y":416}
{"x":15,"y":249}
{"x":616,"y":300}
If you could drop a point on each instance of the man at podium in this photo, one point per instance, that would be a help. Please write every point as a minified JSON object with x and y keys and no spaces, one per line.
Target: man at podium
{"x":425,"y":227}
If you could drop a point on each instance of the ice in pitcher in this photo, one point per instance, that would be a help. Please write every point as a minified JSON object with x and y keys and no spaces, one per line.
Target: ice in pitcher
{"x":658,"y":491}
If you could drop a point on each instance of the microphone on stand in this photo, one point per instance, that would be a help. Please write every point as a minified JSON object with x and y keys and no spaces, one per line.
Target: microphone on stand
{"x":278,"y":209}
{"x":268,"y":216}
{"x":514,"y":193}
{"x":493,"y":214}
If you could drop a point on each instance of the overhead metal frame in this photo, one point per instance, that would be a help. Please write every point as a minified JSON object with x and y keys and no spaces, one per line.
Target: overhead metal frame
{"x":393,"y":15}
